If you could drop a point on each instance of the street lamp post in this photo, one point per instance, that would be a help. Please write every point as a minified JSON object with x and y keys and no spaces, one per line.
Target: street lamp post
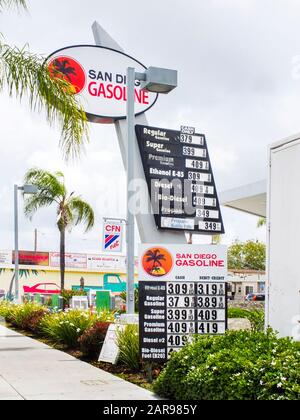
{"x":156,"y":80}
{"x":26,"y":189}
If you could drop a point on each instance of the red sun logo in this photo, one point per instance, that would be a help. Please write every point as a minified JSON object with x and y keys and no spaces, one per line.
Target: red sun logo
{"x":157,"y":262}
{"x":68,"y":69}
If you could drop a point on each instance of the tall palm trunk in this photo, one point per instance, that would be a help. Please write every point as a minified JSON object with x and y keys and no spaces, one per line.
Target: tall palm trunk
{"x":62,"y":257}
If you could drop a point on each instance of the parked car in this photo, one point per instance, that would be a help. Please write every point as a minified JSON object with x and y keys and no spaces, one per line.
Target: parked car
{"x":255,"y":297}
{"x":2,"y":294}
{"x":43,"y":289}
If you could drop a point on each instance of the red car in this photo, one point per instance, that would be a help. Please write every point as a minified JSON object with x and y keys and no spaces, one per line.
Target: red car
{"x":43,"y":289}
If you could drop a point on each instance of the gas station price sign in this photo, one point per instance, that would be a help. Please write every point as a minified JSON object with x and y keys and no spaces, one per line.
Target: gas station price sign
{"x":180,"y":179}
{"x":183,"y":292}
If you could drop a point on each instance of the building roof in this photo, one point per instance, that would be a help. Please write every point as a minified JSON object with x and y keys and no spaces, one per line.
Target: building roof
{"x":251,"y":198}
{"x":241,"y":271}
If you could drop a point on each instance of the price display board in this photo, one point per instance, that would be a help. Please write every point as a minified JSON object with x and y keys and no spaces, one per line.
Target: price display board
{"x":177,"y":302}
{"x":180,"y":179}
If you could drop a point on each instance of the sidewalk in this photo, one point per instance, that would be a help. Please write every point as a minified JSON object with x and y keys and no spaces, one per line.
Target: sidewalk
{"x":30,"y":370}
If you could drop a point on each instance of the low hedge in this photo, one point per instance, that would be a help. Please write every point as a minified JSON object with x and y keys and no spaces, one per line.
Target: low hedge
{"x":26,"y":317}
{"x":92,"y":339}
{"x":62,"y":327}
{"x":129,"y":347}
{"x":241,"y":365}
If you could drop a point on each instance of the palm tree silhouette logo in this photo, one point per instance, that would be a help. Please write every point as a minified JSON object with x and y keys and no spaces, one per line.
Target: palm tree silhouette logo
{"x":69,"y":70}
{"x":157,"y":262}
{"x":63,"y":67}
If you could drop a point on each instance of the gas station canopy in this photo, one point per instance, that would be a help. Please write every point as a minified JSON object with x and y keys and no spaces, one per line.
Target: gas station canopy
{"x":251,"y":198}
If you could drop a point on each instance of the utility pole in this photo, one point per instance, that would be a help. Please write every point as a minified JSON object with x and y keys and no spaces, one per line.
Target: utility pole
{"x":35,"y":239}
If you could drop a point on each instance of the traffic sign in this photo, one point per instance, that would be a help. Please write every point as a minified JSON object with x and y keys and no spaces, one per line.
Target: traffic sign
{"x":180,"y":179}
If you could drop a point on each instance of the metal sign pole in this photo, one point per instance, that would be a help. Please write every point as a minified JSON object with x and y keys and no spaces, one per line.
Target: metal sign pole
{"x":16,"y":222}
{"x":130,"y":192}
{"x":148,"y":231}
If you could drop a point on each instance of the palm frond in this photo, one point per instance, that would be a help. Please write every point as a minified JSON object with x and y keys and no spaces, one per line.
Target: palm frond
{"x":35,"y":202}
{"x":12,"y":3}
{"x":50,"y":190}
{"x":83,"y":212}
{"x":25,"y":74}
{"x":51,"y":185}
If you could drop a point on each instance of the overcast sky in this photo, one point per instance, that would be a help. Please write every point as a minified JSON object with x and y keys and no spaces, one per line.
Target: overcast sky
{"x":238,"y":65}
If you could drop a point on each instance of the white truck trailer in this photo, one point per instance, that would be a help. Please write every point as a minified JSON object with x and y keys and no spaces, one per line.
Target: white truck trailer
{"x":283,"y":215}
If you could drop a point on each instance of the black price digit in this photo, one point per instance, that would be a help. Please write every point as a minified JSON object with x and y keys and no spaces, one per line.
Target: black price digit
{"x":173,"y":314}
{"x":177,"y":315}
{"x":201,"y":289}
{"x":188,"y":151}
{"x":184,"y":138}
{"x":178,"y":327}
{"x":184,"y":328}
{"x":201,"y":329}
{"x":207,"y":315}
{"x":215,"y":328}
{"x":174,"y":340}
{"x":197,"y":164}
{"x":200,"y":302}
{"x":170,"y":288}
{"x":208,"y":328}
{"x":184,"y":340}
{"x":184,"y":289}
{"x":207,"y":302}
{"x":187,"y":302}
{"x":214,"y":302}
{"x":173,"y":301}
{"x":184,"y":315}
{"x":214,"y":289}
{"x":177,"y":340}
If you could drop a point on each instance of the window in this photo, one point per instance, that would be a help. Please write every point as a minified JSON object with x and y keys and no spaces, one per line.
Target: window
{"x":113,"y":279}
{"x":249,"y":289}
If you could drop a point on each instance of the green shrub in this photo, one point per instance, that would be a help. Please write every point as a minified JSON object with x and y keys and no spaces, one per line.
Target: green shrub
{"x":93,"y":338}
{"x":106,"y":316}
{"x":241,"y":365}
{"x":6,"y":309}
{"x":256,"y":317}
{"x":67,"y":327}
{"x":128,"y":342}
{"x":33,"y":320}
{"x":27,"y":316}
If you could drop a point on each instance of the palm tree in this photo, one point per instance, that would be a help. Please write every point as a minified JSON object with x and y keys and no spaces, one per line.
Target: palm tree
{"x":71,"y":209}
{"x":156,"y":257}
{"x":24,"y":74}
